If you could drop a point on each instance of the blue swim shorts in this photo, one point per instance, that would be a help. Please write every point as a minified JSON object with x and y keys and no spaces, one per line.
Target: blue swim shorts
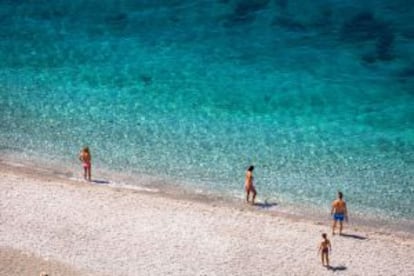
{"x":339,"y":217}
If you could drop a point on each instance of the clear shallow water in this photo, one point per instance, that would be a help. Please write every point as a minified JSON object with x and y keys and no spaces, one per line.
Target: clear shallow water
{"x":196,"y":92}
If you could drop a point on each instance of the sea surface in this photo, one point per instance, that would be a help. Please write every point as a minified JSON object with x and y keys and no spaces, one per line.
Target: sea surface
{"x":318,"y":95}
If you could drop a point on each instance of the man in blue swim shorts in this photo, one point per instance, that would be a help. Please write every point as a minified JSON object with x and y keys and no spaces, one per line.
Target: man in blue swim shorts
{"x":339,"y":213}
{"x":339,"y":217}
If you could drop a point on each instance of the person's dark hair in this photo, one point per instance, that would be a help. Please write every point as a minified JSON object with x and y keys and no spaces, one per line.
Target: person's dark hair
{"x":251,"y":168}
{"x":340,"y":195}
{"x":324,"y":235}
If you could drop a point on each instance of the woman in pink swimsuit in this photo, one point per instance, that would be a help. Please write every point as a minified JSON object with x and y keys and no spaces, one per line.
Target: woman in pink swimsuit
{"x":85,"y":157}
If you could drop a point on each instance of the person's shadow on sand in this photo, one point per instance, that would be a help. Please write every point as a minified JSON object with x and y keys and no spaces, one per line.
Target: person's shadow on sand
{"x":337,"y":268}
{"x":358,"y":237}
{"x":265,"y":204}
{"x":99,"y":181}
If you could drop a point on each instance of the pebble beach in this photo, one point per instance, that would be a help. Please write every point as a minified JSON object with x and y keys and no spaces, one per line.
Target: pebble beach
{"x":55,"y":225}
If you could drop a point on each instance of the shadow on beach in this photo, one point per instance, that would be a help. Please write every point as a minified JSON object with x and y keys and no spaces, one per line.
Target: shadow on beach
{"x":358,"y":237}
{"x":337,"y":268}
{"x":100,"y":181}
{"x":265,"y":204}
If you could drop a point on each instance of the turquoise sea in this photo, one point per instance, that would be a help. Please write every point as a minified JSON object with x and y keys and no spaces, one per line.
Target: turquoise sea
{"x":318,"y":95}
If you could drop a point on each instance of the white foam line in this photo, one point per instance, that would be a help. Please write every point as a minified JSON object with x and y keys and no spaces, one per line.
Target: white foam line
{"x":132,"y":187}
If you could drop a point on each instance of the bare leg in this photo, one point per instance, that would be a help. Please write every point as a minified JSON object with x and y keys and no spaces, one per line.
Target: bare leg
{"x":85,"y":170}
{"x":90,"y":174}
{"x":333,"y":227}
{"x":254,"y":196}
{"x":322,"y":258}
{"x":247,"y":195}
{"x":340,"y":228}
{"x":327,"y":259}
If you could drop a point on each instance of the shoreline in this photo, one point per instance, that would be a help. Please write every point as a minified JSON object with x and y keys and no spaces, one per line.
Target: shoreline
{"x":158,"y":186}
{"x":103,"y":230}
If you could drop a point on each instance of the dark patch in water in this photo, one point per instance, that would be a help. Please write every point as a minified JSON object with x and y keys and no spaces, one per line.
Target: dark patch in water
{"x":362,"y":27}
{"x":51,"y":14}
{"x":244,"y":11}
{"x":289,"y":24}
{"x":408,"y":33}
{"x":325,"y":18}
{"x":365,"y":27}
{"x":369,"y":58}
{"x":174,"y":18}
{"x":406,"y":73}
{"x":246,"y":7}
{"x":282,"y":4}
{"x":145,"y":79}
{"x":385,"y":44}
{"x":119,"y":20}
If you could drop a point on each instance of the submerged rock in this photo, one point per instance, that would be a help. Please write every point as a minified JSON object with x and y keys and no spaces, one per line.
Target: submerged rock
{"x":117,"y":20}
{"x":282,"y":4}
{"x":244,"y":10}
{"x":384,"y":45}
{"x":364,"y":27}
{"x":406,"y":73}
{"x":289,"y":24}
{"x":145,"y":79}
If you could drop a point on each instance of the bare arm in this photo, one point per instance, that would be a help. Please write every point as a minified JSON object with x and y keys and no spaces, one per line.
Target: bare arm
{"x":346,"y":212}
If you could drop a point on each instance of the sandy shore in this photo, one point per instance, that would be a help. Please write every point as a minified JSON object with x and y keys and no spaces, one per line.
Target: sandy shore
{"x":64,"y":227}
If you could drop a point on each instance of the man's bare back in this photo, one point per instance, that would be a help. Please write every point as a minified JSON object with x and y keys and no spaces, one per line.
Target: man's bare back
{"x":339,"y":206}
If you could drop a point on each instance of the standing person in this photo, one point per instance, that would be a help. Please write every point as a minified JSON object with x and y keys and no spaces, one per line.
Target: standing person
{"x":339,"y":213}
{"x":86,"y":158}
{"x":324,"y":249}
{"x":249,"y":185}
